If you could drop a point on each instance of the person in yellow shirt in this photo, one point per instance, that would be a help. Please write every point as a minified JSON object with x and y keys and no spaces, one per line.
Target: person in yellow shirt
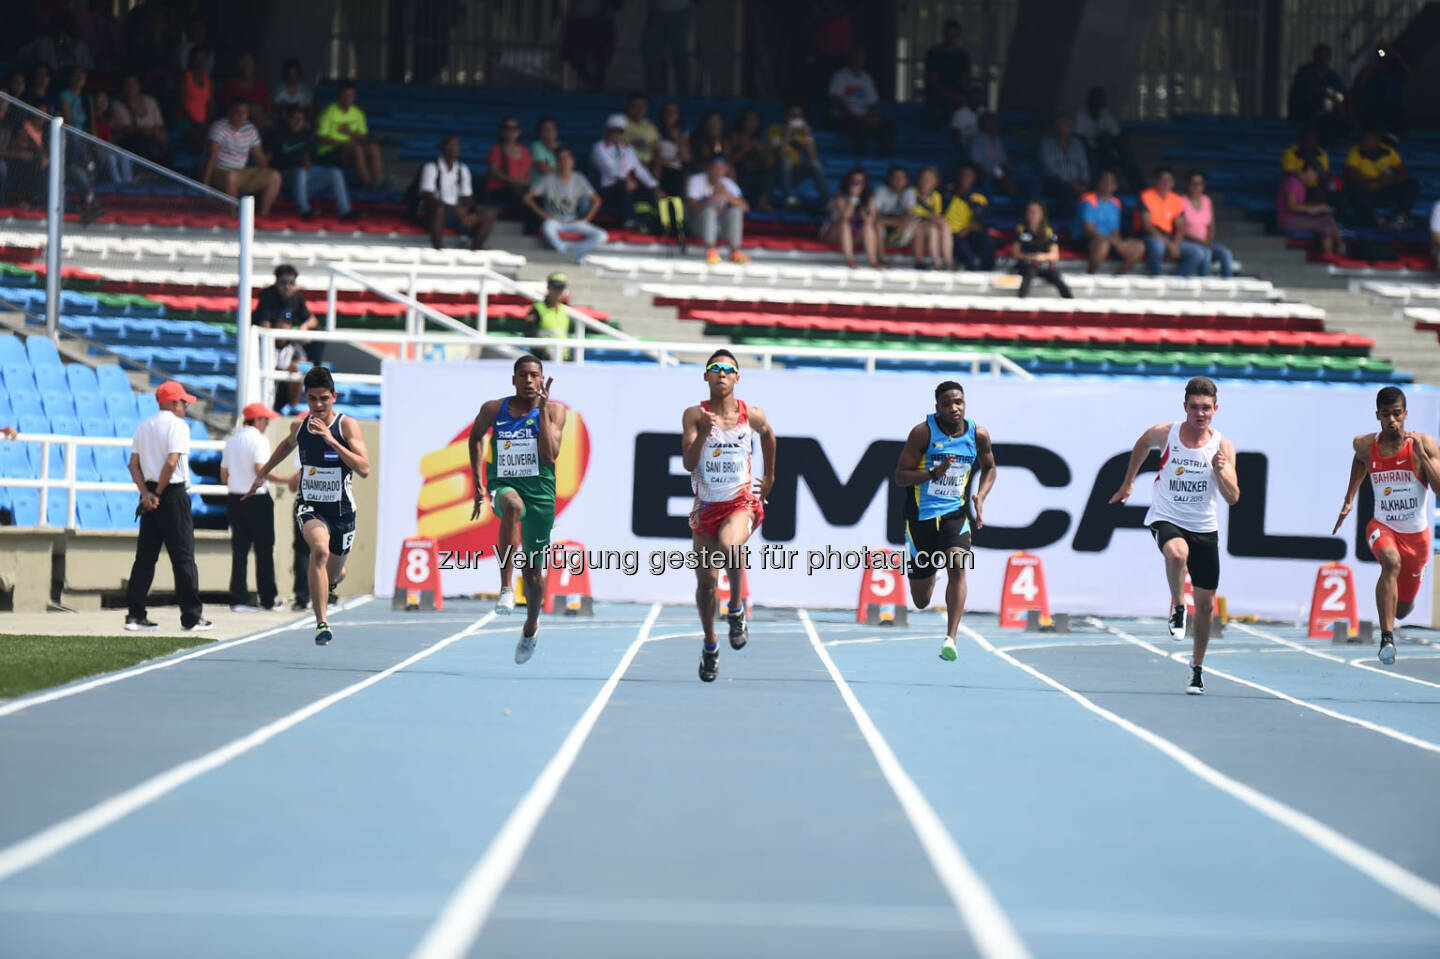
{"x":1375,"y":176}
{"x":1306,"y":149}
{"x":792,"y":152}
{"x":965,"y":218}
{"x":343,"y":137}
{"x":640,"y":133}
{"x":932,"y":233}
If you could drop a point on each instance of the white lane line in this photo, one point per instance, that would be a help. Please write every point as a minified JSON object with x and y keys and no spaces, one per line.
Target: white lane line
{"x":1395,"y":734}
{"x":49,"y":697}
{"x":875,"y":639}
{"x":1391,"y":875}
{"x":988,"y":925}
{"x":1364,"y":664}
{"x":1074,"y":644}
{"x":42,"y":845}
{"x":464,"y":915}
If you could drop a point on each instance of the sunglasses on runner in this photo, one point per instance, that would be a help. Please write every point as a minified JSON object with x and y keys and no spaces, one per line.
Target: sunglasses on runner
{"x":722,"y":368}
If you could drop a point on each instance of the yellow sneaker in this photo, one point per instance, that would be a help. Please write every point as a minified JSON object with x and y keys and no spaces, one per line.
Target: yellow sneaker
{"x":737,"y":257}
{"x":712,"y":256}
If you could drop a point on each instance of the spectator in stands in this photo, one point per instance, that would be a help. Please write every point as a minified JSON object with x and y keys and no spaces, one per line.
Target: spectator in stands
{"x":291,"y":150}
{"x":1317,"y":95}
{"x":542,"y":149}
{"x":667,"y":30}
{"x":707,"y":141}
{"x":137,"y":123}
{"x":447,"y":198}
{"x":15,"y":85}
{"x":965,"y":218}
{"x":39,"y":95}
{"x":292,"y":92}
{"x":344,"y":138}
{"x":194,"y":38}
{"x":1037,"y":251}
{"x":1375,"y":176}
{"x":1305,"y":150}
{"x":640,"y":133}
{"x":746,"y":153}
{"x":895,"y":210}
{"x":1106,"y":145}
{"x":623,"y":179}
{"x":75,"y":104}
{"x":1162,"y":227}
{"x":282,"y":306}
{"x":672,"y":150}
{"x":160,"y":467}
{"x":714,"y":202}
{"x":233,"y":140}
{"x":565,"y":202}
{"x":549,"y":318}
{"x":932,"y":235}
{"x":854,"y":102}
{"x":245,"y":85}
{"x":197,"y":98}
{"x":987,"y":154}
{"x":1378,"y":94}
{"x":852,"y":213}
{"x":793,"y":153}
{"x":22,"y":161}
{"x":1064,"y":169}
{"x":1199,"y":225}
{"x":509,"y":165}
{"x":965,"y":121}
{"x":1100,"y":228}
{"x":252,"y":519}
{"x":1435,"y":234}
{"x":1295,"y":213}
{"x":947,"y":75}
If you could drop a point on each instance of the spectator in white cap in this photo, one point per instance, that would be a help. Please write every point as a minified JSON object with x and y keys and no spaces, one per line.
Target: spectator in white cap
{"x":160,"y":467}
{"x":252,"y":520}
{"x":713,"y":199}
{"x":623,"y":180}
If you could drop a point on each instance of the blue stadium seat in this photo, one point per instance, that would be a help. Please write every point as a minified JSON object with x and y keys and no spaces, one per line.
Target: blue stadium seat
{"x":85,"y":469}
{"x":15,"y":462}
{"x":112,"y":380}
{"x":145,"y":405}
{"x":82,"y":379}
{"x":12,"y":351}
{"x":42,"y":351}
{"x":91,"y":511}
{"x":113,"y":463}
{"x":32,"y":421}
{"x":55,"y":508}
{"x":25,"y":505}
{"x":51,"y":379}
{"x":72,"y":301}
{"x":124,"y":425}
{"x":7,"y":412}
{"x":119,"y":404}
{"x":56,"y":403}
{"x":95,"y":425}
{"x":18,"y":378}
{"x":65,"y":423}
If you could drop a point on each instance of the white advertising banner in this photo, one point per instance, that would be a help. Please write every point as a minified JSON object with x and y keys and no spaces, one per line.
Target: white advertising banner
{"x":1061,"y":446}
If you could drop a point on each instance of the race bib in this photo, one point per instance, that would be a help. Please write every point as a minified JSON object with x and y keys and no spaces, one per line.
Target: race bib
{"x":519,"y":456}
{"x":321,"y":484}
{"x":952,"y":484}
{"x":725,"y":466}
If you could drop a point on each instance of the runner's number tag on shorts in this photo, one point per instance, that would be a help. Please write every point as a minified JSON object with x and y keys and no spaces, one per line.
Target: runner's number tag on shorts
{"x":517,"y":457}
{"x":321,"y":484}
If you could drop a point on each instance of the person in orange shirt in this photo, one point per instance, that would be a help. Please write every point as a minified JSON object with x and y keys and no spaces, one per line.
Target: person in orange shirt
{"x":1162,"y":227}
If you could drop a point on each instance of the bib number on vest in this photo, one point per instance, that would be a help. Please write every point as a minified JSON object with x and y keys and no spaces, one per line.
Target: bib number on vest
{"x":321,"y":484}
{"x":517,"y":457}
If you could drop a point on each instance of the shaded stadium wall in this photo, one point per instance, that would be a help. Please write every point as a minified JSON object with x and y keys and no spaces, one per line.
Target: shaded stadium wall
{"x":1061,"y":48}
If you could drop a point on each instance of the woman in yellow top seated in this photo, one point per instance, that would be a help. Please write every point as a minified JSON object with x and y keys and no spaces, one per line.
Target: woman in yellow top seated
{"x":932,"y":235}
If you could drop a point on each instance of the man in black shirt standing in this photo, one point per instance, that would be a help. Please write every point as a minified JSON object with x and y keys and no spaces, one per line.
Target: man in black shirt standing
{"x":282,"y":306}
{"x":292,"y":150}
{"x":947,"y":76}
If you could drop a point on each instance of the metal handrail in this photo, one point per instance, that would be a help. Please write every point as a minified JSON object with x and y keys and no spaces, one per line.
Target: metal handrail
{"x":71,"y":485}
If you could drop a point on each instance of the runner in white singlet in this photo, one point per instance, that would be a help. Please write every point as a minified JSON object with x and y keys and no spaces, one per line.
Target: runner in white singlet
{"x":718,"y":448}
{"x":1197,"y":464}
{"x":1399,"y":465}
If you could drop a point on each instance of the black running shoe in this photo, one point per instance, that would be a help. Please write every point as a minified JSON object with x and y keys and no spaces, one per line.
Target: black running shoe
{"x":323,"y":634}
{"x":1197,"y":682}
{"x":1177,"y":622}
{"x":1387,"y":649}
{"x":739,"y":630}
{"x":709,"y":665}
{"x":139,"y":624}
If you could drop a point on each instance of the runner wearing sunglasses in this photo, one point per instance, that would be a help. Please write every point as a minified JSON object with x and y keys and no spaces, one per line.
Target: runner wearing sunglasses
{"x":719,"y":449}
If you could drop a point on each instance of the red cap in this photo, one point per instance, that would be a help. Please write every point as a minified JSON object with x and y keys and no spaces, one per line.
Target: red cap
{"x":258,"y":411}
{"x":170,"y":391}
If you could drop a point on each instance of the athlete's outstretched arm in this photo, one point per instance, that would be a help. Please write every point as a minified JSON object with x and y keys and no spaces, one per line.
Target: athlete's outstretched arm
{"x":357,"y":457}
{"x":282,"y":449}
{"x":1148,"y":440}
{"x":552,"y":426}
{"x":483,"y":421}
{"x":1226,"y":477}
{"x":910,"y":468}
{"x":1359,"y":467}
{"x":769,"y":445}
{"x":695,"y":429}
{"x":985,"y":462}
{"x":1430,"y":461}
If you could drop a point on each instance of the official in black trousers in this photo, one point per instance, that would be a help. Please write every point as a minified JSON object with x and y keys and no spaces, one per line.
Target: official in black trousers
{"x":252,"y":520}
{"x":160,"y":467}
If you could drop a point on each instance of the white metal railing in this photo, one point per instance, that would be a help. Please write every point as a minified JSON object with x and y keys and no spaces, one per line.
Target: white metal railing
{"x":71,"y":485}
{"x":578,"y":346}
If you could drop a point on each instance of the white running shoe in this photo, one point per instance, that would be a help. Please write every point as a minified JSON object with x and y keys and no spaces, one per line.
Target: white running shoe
{"x":1177,"y":622}
{"x":947,"y":651}
{"x":506,"y":604}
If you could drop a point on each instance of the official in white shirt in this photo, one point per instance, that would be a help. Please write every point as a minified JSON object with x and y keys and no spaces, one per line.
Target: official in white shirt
{"x":447,"y":198}
{"x":160,"y":467}
{"x":252,"y":521}
{"x":622,"y":178}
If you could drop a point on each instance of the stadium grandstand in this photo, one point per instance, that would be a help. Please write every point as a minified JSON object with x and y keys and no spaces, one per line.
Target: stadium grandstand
{"x":1072,"y":211}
